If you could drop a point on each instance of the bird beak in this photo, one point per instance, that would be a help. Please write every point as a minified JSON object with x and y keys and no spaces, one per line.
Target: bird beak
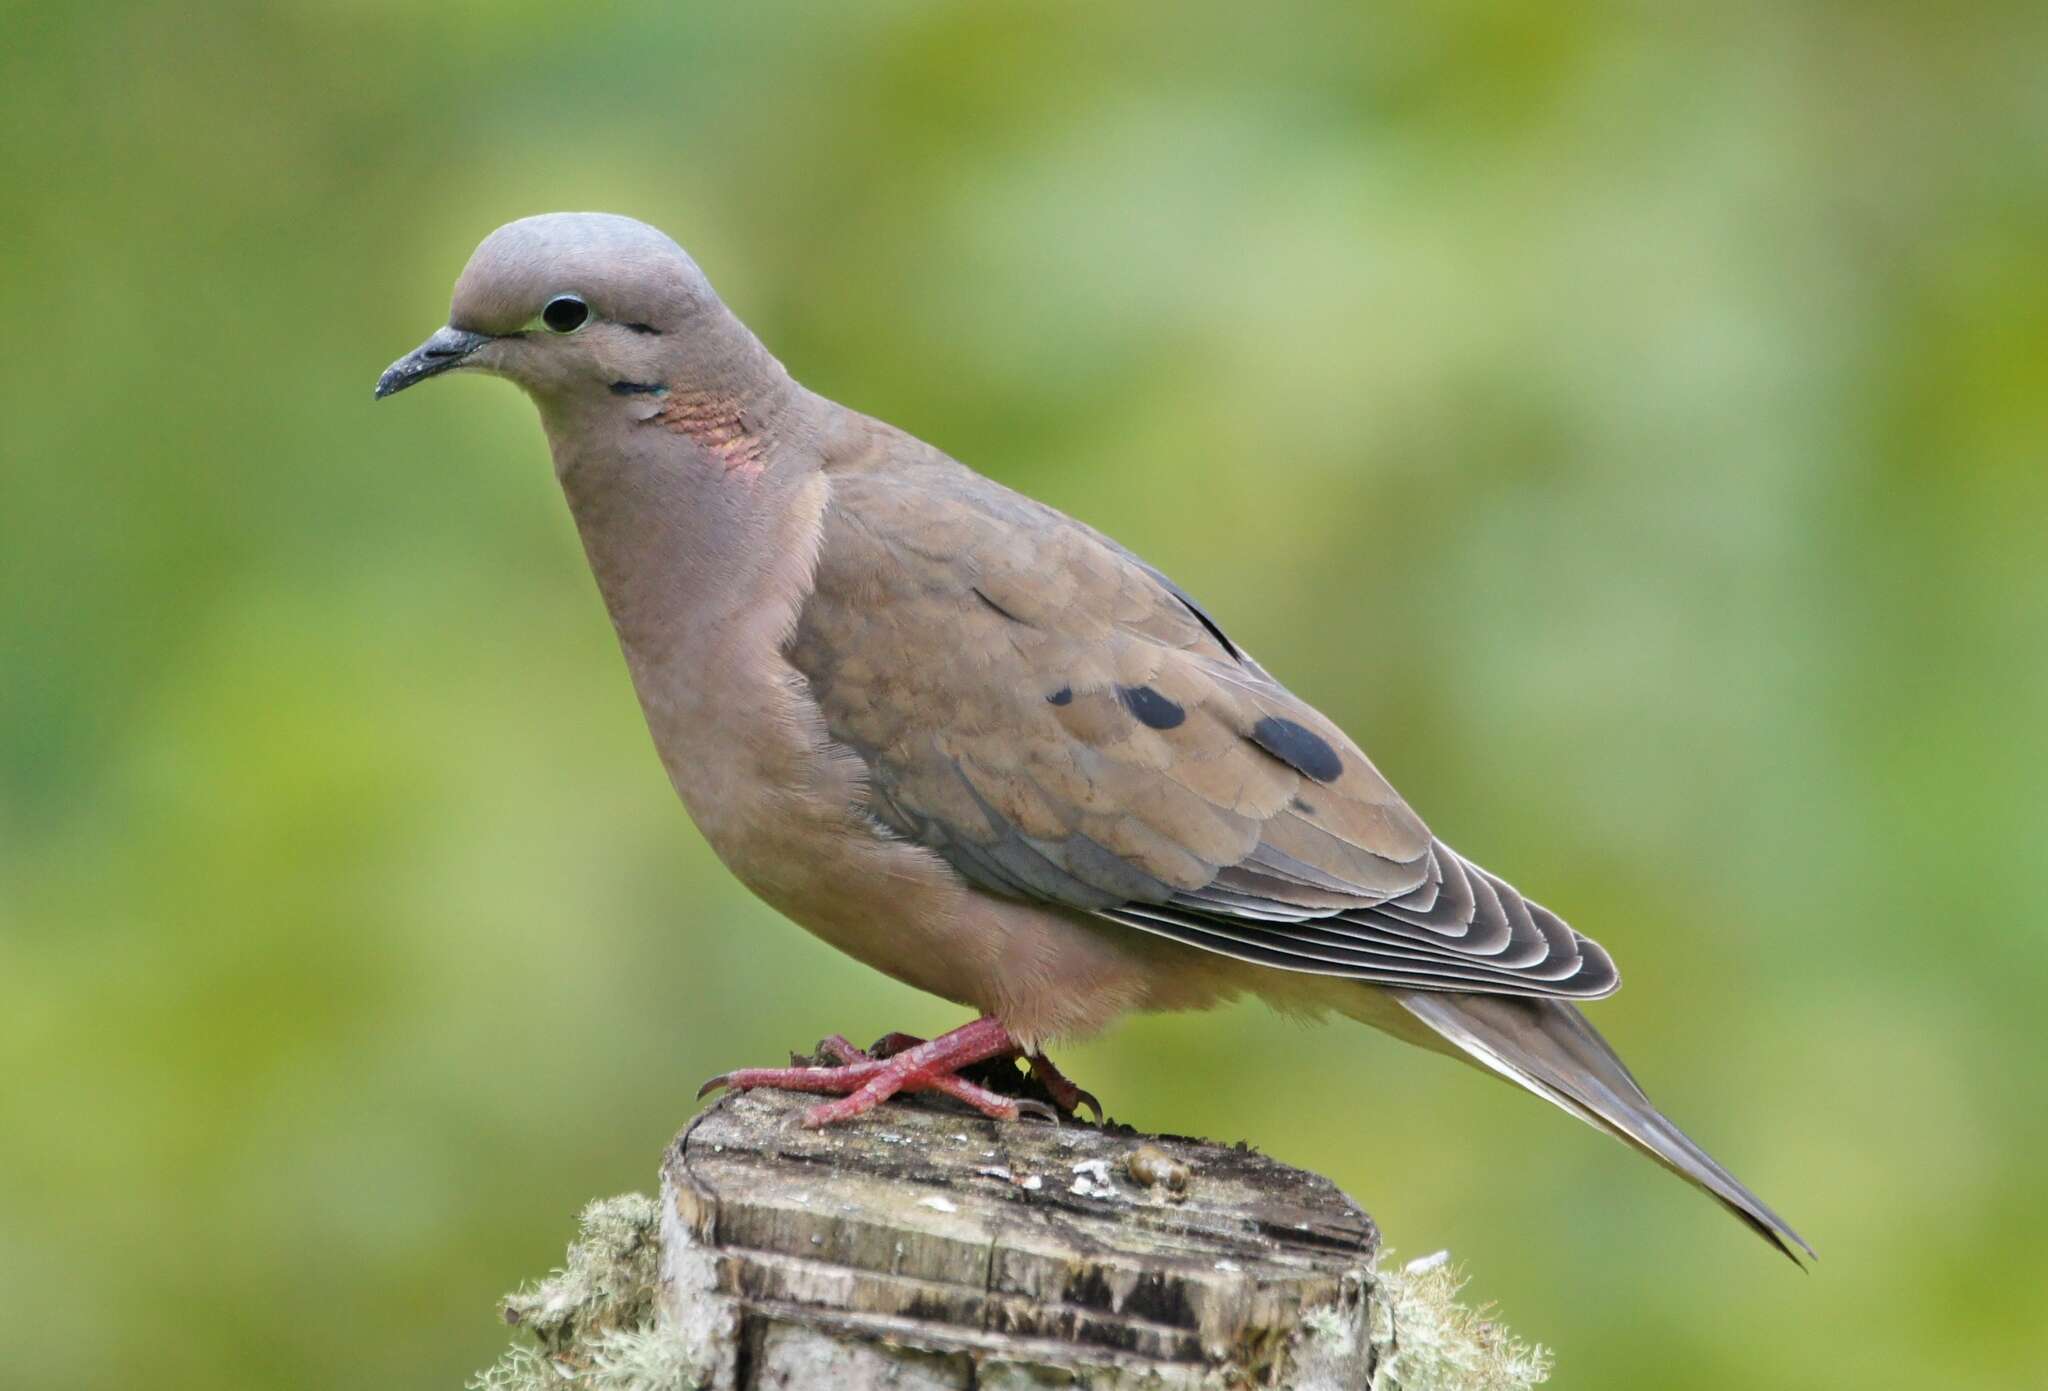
{"x":449,"y":347}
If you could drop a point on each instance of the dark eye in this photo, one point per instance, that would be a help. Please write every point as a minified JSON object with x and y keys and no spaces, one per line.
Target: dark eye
{"x":565,"y":314}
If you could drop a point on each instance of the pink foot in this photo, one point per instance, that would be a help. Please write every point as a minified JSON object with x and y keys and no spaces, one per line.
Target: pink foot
{"x":1065,"y":1095}
{"x":989,"y":1103}
{"x":863,"y":1082}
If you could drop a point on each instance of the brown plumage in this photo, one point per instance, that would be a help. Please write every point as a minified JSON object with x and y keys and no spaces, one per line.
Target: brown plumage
{"x":1092,"y":740}
{"x":975,"y":743}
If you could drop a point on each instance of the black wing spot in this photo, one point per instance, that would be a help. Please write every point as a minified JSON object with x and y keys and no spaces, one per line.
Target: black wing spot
{"x":638,"y":388}
{"x":1152,"y":709}
{"x":1063,"y":696}
{"x":1303,"y":807}
{"x":1301,"y":749}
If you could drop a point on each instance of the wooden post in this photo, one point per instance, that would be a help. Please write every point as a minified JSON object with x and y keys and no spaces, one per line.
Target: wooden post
{"x":921,"y":1248}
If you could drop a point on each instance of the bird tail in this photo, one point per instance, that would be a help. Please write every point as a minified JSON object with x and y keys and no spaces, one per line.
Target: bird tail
{"x":1548,"y":1047}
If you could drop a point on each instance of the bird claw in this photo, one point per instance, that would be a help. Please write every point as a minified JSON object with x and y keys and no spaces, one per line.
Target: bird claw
{"x":796,"y":1079}
{"x":1065,"y":1095}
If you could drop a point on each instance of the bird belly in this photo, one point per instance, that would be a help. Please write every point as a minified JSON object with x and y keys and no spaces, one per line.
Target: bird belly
{"x":794,"y":832}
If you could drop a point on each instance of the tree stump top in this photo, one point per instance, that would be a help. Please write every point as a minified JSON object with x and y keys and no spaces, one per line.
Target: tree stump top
{"x":922,"y":1247}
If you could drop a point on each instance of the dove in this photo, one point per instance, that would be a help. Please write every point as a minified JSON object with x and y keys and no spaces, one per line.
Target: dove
{"x":977,"y":744}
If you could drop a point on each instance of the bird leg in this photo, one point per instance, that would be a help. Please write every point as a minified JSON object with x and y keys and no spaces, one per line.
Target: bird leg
{"x":1065,"y":1095}
{"x":863,"y":1081}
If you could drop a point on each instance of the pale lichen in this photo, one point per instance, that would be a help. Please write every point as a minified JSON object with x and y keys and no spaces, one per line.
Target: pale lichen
{"x":593,"y":1320}
{"x":1424,"y":1339}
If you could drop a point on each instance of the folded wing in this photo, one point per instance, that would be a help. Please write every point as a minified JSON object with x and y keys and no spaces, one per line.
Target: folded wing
{"x":1060,"y":722}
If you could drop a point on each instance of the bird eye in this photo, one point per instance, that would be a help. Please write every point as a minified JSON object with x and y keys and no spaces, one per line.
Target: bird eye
{"x":565,"y":314}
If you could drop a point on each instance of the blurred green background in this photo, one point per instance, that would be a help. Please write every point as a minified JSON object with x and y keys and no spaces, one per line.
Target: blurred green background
{"x":1630,"y":424}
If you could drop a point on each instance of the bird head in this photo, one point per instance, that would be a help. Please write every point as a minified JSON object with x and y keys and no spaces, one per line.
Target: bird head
{"x":571,"y":305}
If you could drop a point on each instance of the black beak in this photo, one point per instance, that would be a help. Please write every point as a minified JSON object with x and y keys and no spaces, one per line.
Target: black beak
{"x":447,"y":348}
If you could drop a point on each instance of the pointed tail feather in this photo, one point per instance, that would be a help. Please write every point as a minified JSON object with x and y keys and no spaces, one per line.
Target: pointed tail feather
{"x":1548,"y":1047}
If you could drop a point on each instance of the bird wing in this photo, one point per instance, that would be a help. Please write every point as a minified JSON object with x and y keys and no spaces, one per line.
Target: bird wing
{"x":1061,"y":723}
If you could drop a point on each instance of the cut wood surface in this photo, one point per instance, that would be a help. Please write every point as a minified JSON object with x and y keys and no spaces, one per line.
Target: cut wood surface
{"x":920,"y":1247}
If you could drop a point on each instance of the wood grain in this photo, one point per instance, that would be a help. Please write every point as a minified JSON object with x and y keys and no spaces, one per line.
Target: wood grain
{"x":922,"y":1248}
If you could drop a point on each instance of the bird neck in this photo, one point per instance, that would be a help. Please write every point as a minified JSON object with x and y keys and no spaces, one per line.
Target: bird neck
{"x":699,"y":514}
{"x":722,"y":390}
